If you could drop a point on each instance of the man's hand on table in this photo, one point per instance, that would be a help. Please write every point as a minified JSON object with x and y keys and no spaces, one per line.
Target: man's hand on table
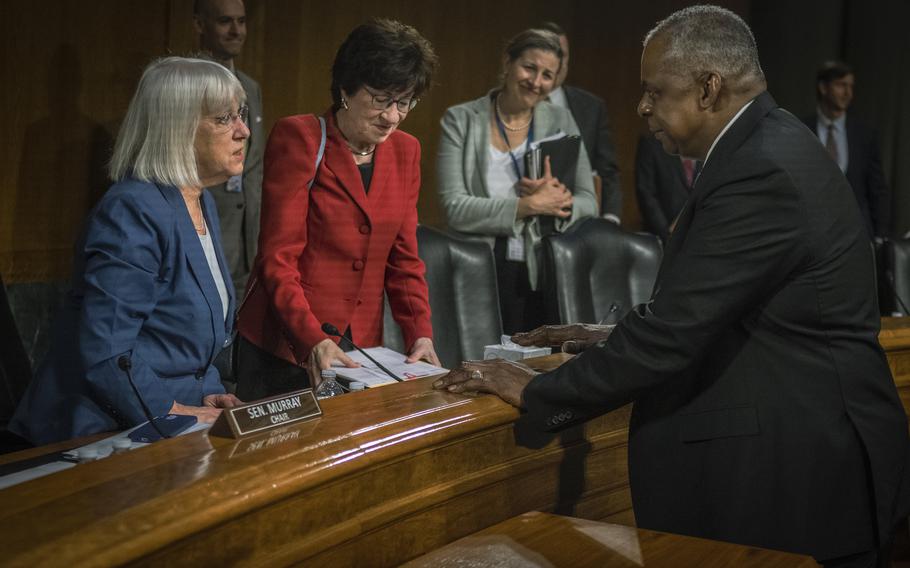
{"x":572,"y":338}
{"x":505,"y":379}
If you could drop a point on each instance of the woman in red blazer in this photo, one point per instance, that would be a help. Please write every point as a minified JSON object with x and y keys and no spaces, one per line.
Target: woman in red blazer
{"x":327,"y":251}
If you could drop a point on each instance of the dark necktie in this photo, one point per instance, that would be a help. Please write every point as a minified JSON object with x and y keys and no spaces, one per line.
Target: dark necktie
{"x":831,"y":144}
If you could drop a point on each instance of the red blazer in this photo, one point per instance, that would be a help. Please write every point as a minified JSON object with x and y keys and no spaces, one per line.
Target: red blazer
{"x":327,"y":253}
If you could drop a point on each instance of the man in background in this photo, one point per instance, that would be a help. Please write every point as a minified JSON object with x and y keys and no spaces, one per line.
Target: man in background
{"x":590,"y":114}
{"x":852,"y":144}
{"x":221,"y":25}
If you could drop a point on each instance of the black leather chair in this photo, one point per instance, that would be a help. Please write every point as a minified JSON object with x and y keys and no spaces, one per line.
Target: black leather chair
{"x":894,"y":277}
{"x":461,"y":276}
{"x":15,"y":372}
{"x":597,"y":272}
{"x":34,"y":305}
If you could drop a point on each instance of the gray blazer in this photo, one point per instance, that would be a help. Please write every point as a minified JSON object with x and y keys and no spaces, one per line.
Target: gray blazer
{"x":462,"y":166}
{"x":239,"y":211}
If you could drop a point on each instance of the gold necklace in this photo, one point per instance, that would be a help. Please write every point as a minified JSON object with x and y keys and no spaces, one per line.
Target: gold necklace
{"x":200,"y":228}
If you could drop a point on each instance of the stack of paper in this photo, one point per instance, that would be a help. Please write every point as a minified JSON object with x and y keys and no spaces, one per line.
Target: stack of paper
{"x":372,"y":376}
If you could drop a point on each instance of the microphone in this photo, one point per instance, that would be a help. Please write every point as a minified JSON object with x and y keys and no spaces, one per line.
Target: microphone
{"x":889,"y":278}
{"x":126,"y":364}
{"x":330,"y":329}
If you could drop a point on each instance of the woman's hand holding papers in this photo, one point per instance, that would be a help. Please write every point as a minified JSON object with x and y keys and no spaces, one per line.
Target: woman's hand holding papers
{"x":423,"y":350}
{"x":322,"y":356}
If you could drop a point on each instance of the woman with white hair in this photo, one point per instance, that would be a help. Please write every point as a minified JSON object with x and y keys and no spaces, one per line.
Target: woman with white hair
{"x":151,"y":302}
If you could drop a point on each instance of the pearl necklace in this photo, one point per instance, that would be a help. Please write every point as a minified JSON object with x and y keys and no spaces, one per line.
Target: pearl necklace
{"x":351,"y":148}
{"x":361,"y":154}
{"x":511,"y":128}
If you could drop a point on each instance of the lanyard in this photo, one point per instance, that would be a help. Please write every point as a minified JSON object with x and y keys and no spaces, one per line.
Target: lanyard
{"x":502,"y":130}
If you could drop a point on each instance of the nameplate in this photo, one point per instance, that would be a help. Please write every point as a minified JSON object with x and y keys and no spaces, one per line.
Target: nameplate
{"x":265,"y":414}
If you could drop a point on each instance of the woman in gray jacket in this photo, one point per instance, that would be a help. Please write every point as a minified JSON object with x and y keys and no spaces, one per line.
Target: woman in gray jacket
{"x":482,"y":183}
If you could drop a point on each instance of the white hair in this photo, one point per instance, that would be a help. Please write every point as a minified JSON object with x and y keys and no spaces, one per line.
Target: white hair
{"x":702,"y":39}
{"x":156,"y":140}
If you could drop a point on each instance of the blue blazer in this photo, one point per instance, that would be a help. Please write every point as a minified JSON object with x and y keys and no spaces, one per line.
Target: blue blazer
{"x":141,"y":287}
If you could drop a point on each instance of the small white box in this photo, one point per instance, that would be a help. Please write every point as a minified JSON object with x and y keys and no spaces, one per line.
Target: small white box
{"x":513,"y":352}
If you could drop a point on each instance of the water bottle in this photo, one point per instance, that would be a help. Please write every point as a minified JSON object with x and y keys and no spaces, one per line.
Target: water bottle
{"x":329,"y":387}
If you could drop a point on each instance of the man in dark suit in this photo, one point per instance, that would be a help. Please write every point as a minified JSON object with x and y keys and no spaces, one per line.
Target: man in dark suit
{"x":662,"y":183}
{"x":221,"y":25}
{"x":590,"y":114}
{"x":852,"y":144}
{"x":765,"y":412}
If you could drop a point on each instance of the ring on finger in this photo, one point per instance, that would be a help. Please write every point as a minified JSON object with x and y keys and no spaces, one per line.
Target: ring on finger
{"x":477,"y":374}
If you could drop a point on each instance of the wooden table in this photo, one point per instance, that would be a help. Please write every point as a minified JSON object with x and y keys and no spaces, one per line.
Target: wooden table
{"x":895,"y":339}
{"x":541,"y":540}
{"x":384,"y":476}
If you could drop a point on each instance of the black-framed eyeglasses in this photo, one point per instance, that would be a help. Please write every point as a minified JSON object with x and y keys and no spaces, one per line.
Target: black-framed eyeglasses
{"x":382,"y":101}
{"x":228,"y":118}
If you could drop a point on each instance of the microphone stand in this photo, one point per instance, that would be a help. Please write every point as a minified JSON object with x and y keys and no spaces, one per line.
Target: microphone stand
{"x":125,"y":365}
{"x":332,"y":330}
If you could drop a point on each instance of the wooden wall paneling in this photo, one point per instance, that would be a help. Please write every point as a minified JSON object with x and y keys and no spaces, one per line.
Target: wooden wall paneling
{"x":82,"y":61}
{"x":70,"y":68}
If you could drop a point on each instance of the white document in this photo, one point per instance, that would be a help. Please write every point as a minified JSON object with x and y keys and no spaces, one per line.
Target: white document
{"x":372,"y":376}
{"x":558,"y":136}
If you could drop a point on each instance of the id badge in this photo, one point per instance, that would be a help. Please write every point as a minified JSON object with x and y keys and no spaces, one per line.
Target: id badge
{"x":234,"y":184}
{"x":516,"y":249}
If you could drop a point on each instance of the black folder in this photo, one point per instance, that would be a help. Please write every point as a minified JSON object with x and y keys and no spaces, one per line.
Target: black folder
{"x":563,"y":153}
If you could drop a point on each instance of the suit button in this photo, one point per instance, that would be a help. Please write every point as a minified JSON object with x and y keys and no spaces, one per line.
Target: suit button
{"x":359,"y":302}
{"x":358,"y":264}
{"x":200,"y":374}
{"x":240,"y":206}
{"x":364,"y":229}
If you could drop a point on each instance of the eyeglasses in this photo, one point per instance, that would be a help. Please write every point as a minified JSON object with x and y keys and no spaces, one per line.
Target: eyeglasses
{"x":228,"y":118}
{"x":382,"y":102}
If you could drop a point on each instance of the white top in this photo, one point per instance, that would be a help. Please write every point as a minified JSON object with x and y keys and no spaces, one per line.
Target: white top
{"x":500,"y":174}
{"x":212,"y":259}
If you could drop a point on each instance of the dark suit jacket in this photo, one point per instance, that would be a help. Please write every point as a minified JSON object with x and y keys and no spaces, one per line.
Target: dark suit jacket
{"x":864,"y":172}
{"x":239,"y":211}
{"x":590,"y":114}
{"x":141,"y":287}
{"x":660,"y":184}
{"x":764,"y":406}
{"x":327,"y":253}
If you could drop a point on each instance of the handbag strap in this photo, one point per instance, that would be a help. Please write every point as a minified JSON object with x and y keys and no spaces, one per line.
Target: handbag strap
{"x":320,"y":153}
{"x":309,"y":185}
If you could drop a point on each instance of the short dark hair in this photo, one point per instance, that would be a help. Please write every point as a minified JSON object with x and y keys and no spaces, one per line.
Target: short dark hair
{"x":832,"y":70}
{"x":533,"y":39}
{"x":384,"y":54}
{"x":553,"y":27}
